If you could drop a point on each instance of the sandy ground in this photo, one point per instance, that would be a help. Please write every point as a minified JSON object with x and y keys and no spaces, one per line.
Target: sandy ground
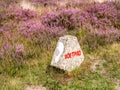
{"x":40,"y":87}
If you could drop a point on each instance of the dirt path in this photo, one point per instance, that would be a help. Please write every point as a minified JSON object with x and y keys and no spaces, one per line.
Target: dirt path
{"x":40,"y":87}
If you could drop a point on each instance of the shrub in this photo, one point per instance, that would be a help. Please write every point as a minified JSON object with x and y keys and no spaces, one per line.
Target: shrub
{"x":55,"y":31}
{"x":8,"y":26}
{"x":103,"y":21}
{"x":105,"y":12}
{"x":35,"y":28}
{"x":19,"y":51}
{"x":24,"y":14}
{"x":5,"y":50}
{"x":31,"y":27}
{"x":9,"y":51}
{"x":66,"y":18}
{"x":21,"y":14}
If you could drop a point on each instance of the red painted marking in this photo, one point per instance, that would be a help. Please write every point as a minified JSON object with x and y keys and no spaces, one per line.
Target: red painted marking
{"x":67,"y":55}
{"x":72,"y":54}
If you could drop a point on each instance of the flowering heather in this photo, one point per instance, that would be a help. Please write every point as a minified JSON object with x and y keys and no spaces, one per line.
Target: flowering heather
{"x":7,"y":26}
{"x":100,"y":19}
{"x":27,"y":38}
{"x":67,"y":18}
{"x":26,"y":20}
{"x":55,"y":31}
{"x":20,"y":14}
{"x":5,"y":50}
{"x":31,"y":27}
{"x":6,"y":46}
{"x":19,"y":50}
{"x":24,"y":14}
{"x":104,"y":10}
{"x":103,"y":17}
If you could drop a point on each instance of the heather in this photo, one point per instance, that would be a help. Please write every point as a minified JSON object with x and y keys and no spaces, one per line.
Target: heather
{"x":103,"y":20}
{"x":100,"y":19}
{"x":66,"y":18}
{"x":28,"y":39}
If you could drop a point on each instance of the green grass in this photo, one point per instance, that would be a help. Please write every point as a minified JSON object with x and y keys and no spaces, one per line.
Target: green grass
{"x":36,"y":70}
{"x":99,"y":71}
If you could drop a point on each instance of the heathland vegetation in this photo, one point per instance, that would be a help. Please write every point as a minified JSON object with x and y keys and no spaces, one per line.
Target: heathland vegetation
{"x":28,"y":38}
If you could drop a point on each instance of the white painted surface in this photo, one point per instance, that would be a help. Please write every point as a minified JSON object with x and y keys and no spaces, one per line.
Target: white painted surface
{"x":60,"y":50}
